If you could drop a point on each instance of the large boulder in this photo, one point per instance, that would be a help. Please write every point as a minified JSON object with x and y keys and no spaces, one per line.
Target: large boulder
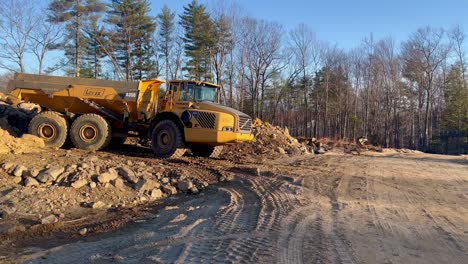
{"x":146,"y":185}
{"x":19,"y":170}
{"x":156,"y":193}
{"x":79,"y":183}
{"x":184,"y":185}
{"x":118,"y":183}
{"x":128,"y":174}
{"x":106,"y":177}
{"x":49,"y":219}
{"x":168,"y":189}
{"x":50,"y":175}
{"x":29,"y":182}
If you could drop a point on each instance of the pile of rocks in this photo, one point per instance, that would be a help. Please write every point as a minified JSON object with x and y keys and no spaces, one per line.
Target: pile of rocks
{"x":269,"y":140}
{"x":149,"y":183}
{"x":361,"y":145}
{"x":313,"y":144}
{"x":16,"y":114}
{"x":14,"y":119}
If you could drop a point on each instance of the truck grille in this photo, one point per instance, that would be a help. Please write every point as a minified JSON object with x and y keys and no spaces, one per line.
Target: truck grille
{"x":206,"y":120}
{"x":245,"y":123}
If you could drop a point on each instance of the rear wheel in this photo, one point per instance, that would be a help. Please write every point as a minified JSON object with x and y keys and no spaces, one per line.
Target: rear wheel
{"x":90,"y":132}
{"x":166,"y":140}
{"x":206,"y":151}
{"x":51,"y":127}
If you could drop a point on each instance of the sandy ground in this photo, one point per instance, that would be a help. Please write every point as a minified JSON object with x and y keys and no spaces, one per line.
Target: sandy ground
{"x":333,"y":208}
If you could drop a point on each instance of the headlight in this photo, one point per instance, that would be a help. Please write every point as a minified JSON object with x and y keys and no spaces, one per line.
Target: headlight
{"x":228,"y":128}
{"x":186,"y":116}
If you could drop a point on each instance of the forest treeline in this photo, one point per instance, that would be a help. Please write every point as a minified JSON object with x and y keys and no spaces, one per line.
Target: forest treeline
{"x":408,"y":94}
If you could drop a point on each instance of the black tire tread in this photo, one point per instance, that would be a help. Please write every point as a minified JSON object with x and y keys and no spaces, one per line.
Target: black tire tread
{"x":180,"y":147}
{"x":107,"y":128}
{"x":55,"y":116}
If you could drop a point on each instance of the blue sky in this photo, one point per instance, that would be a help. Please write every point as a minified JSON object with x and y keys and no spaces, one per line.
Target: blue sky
{"x":342,"y":22}
{"x":347,"y":22}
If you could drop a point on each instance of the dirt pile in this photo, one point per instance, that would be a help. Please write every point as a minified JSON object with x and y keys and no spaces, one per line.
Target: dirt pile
{"x":362,"y":145}
{"x":269,"y":141}
{"x":24,"y":144}
{"x":401,"y":151}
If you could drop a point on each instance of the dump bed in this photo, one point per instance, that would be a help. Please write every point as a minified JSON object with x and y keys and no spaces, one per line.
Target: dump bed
{"x":82,"y":95}
{"x":52,"y":84}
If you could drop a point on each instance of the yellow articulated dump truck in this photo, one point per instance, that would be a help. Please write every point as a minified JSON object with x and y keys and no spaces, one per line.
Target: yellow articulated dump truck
{"x":95,"y":113}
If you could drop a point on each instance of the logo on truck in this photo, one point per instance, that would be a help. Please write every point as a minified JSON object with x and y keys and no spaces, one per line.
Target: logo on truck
{"x":95,"y":92}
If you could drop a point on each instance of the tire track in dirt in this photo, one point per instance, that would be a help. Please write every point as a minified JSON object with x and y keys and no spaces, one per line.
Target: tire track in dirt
{"x":445,"y":229}
{"x":343,"y":252}
{"x":238,"y":216}
{"x":376,"y":224}
{"x":440,"y":227}
{"x":259,"y":205}
{"x":302,"y":232}
{"x":399,"y":203}
{"x":278,"y":200}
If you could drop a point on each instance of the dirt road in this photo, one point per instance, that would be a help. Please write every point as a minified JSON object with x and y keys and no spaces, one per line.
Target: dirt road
{"x":334,"y":208}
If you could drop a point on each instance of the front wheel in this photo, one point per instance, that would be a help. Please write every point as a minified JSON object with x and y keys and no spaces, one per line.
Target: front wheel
{"x":166,"y":140}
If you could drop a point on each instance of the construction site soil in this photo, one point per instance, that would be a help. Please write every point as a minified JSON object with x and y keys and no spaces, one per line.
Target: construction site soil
{"x":331,"y":208}
{"x":272,"y":201}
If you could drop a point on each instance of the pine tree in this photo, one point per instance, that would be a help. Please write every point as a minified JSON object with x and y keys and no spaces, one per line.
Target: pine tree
{"x":455,"y":116}
{"x":166,"y":31}
{"x":224,"y":44}
{"x":131,"y":36}
{"x":74,"y":14}
{"x":199,"y":40}
{"x":95,"y":37}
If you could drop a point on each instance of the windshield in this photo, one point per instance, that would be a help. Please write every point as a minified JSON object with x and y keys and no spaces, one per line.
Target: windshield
{"x":198,"y":93}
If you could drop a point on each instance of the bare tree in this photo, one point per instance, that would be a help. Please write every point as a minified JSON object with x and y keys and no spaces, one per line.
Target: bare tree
{"x":4,"y":79}
{"x":458,"y":38}
{"x":177,"y":59}
{"x":224,"y":43}
{"x":166,"y":21}
{"x":262,"y":50}
{"x":305,"y":49}
{"x":425,"y":52}
{"x":43,"y":39}
{"x":17,"y":21}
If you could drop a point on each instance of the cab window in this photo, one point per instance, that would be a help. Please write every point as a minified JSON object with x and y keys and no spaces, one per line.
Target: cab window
{"x":187,"y":94}
{"x":174,"y":87}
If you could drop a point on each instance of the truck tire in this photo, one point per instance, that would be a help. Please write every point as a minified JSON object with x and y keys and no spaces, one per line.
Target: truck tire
{"x":166,"y":140}
{"x":90,"y":132}
{"x":206,"y":151}
{"x":51,"y":127}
